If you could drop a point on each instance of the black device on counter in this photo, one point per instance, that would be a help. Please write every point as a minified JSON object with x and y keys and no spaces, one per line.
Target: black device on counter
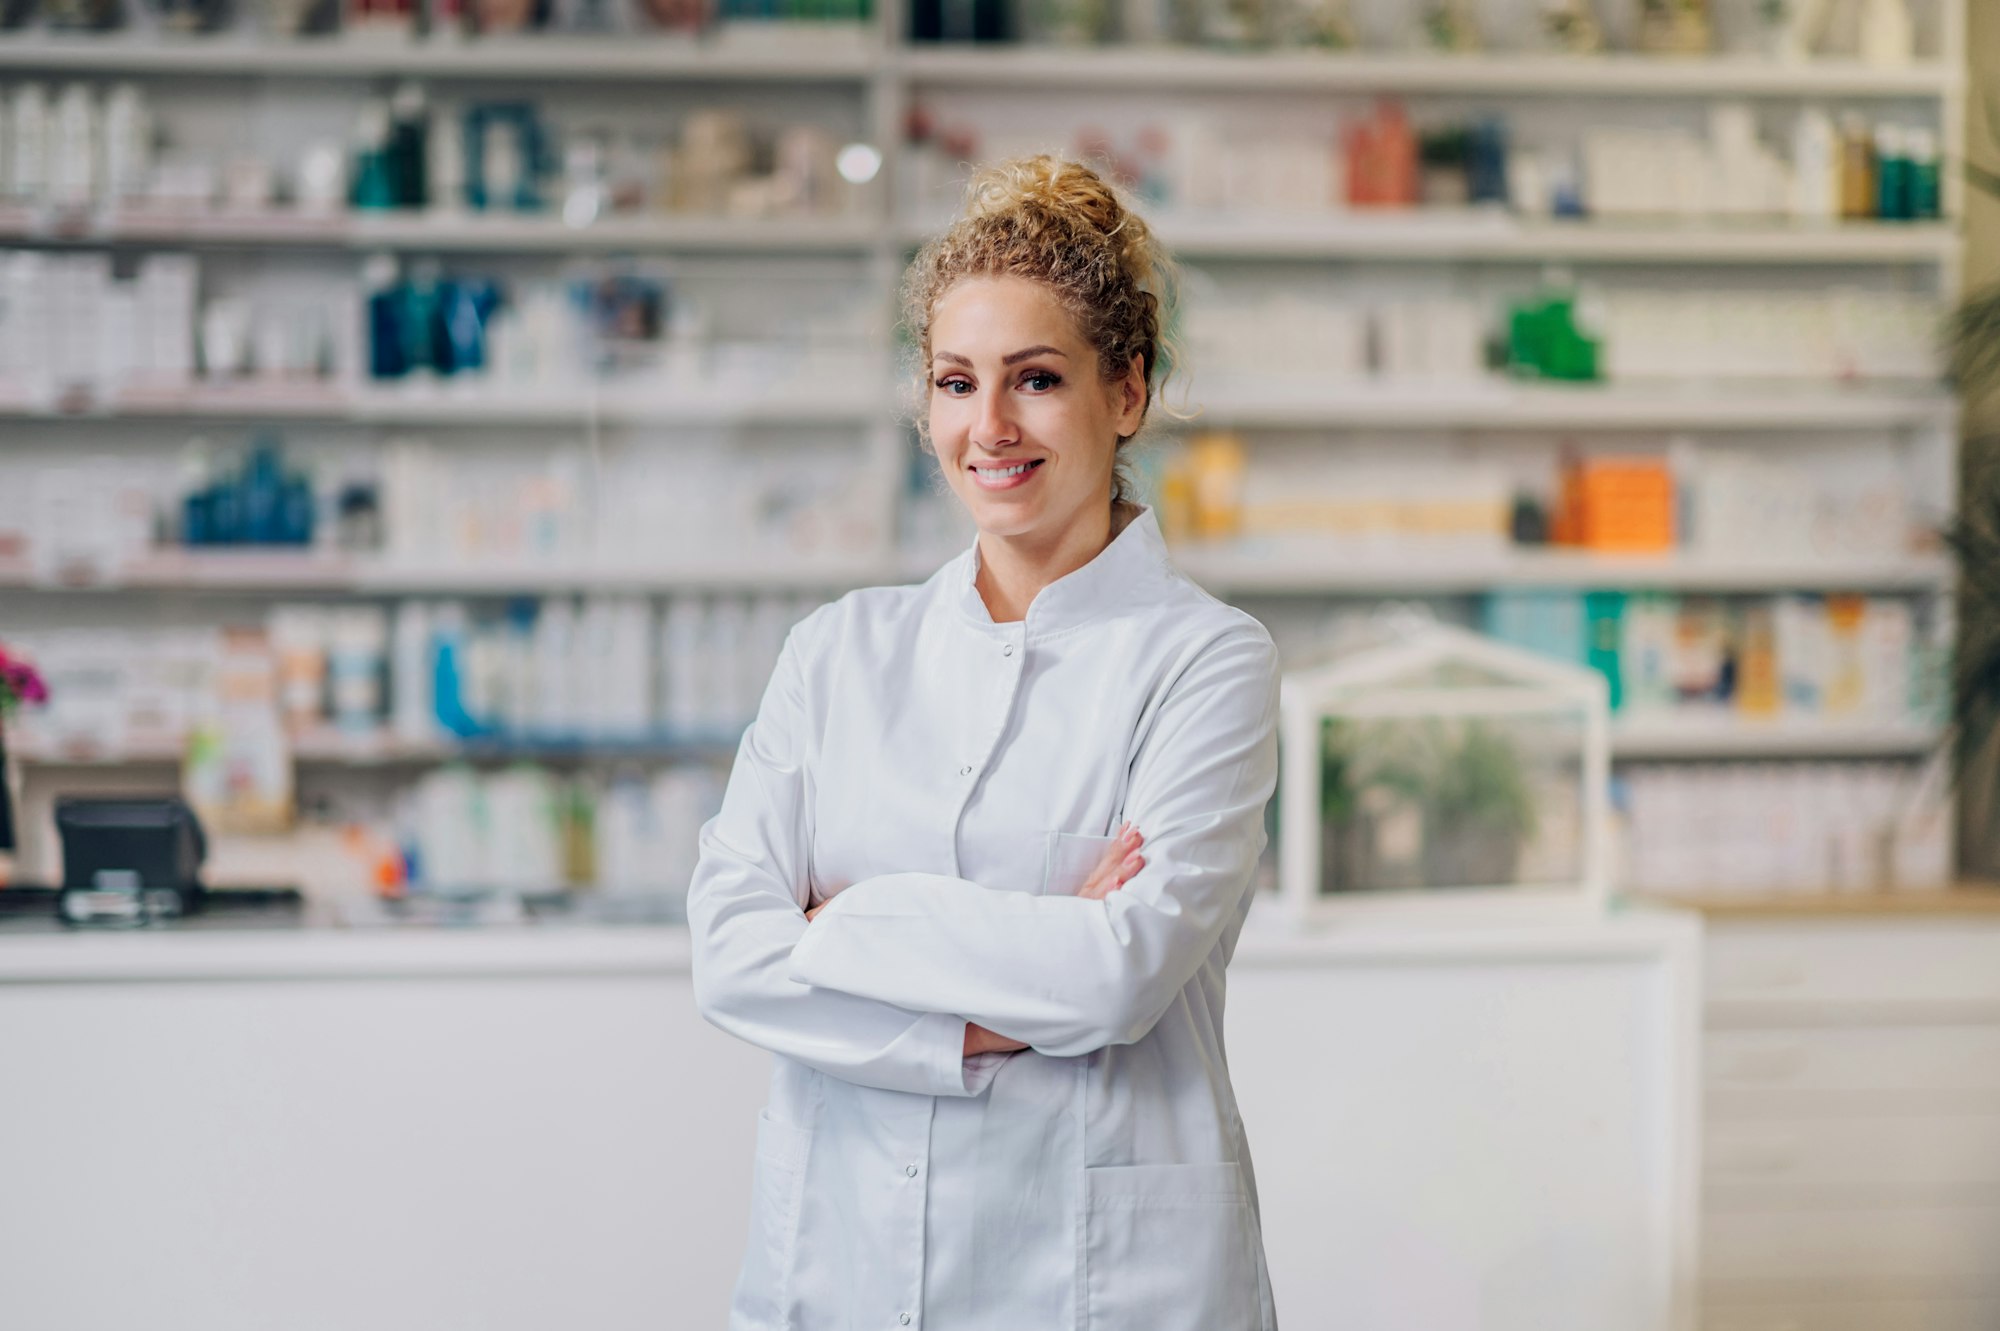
{"x":128,"y":860}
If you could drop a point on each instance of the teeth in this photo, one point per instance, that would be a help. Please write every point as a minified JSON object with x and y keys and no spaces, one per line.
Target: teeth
{"x":997,"y":473}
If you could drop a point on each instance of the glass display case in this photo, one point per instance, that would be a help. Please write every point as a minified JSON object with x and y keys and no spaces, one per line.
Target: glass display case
{"x":1437,"y":766}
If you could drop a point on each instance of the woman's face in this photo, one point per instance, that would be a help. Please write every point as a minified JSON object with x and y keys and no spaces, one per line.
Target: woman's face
{"x":1024,"y":425}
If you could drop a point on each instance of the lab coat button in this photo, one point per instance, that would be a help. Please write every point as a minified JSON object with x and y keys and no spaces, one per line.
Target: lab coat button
{"x":965,"y":771}
{"x":904,"y":1319}
{"x":910,"y":1170}
{"x":1008,"y":650}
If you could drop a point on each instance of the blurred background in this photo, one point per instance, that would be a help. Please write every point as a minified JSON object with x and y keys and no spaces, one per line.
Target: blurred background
{"x":421,"y":423}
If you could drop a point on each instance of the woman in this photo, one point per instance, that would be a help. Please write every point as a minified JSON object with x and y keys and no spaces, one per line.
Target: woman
{"x":1000,"y":1098}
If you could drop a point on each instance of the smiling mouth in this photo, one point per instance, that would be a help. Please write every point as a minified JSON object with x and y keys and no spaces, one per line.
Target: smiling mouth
{"x":1005,"y":473}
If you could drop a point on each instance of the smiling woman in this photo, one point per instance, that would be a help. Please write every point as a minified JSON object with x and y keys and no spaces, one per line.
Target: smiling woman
{"x":987,"y":849}
{"x":1040,"y":322}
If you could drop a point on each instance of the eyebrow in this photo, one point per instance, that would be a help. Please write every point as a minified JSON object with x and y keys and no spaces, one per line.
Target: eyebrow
{"x":1013,"y":358}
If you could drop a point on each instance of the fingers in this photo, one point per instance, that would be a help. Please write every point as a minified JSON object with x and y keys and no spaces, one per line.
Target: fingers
{"x":1129,"y":840}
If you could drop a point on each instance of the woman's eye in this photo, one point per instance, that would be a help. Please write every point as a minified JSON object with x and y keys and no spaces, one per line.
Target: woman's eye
{"x":949,"y":384}
{"x":1041,"y":380}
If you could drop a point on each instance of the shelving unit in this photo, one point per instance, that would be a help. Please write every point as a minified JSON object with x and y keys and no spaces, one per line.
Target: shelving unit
{"x":871,"y":73}
{"x":822,"y":54}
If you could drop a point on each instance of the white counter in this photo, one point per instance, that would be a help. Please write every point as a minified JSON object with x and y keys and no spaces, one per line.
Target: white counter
{"x":1455,"y":1128}
{"x":313,"y":952}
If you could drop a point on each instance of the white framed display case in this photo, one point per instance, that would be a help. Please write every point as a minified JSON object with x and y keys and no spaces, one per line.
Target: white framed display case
{"x":1440,"y":770}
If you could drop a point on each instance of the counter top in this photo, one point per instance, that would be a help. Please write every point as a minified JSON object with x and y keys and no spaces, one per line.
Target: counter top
{"x":317,"y":953}
{"x":1963,"y":899}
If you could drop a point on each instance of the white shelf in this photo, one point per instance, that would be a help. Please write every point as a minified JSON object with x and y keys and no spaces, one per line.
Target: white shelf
{"x":843,"y":402}
{"x":276,"y":570}
{"x":1519,"y":74}
{"x":1472,"y":235}
{"x":847,"y":401}
{"x":829,"y":573}
{"x":332,"y":749}
{"x":1406,"y":234}
{"x":828,"y":53}
{"x":1671,"y":736}
{"x":1501,"y":405}
{"x":848,"y":54}
{"x":867,"y":398}
{"x":442,"y":231}
{"x":1242,"y":572}
{"x":1238,"y":571}
{"x":1676,"y":736}
{"x":500,"y":231}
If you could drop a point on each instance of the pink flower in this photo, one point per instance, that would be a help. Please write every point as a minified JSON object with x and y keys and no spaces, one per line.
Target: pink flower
{"x":20,"y":683}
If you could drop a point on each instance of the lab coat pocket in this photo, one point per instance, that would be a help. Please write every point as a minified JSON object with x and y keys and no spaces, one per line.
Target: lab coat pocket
{"x":763,"y":1290}
{"x":1068,"y":860}
{"x":1170,"y":1248}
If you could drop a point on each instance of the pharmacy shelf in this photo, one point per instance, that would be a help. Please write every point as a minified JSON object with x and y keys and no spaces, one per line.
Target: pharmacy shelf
{"x":1471,"y":236}
{"x":1248,"y":570}
{"x":1427,"y":234}
{"x":280,"y":570}
{"x":288,"y":572}
{"x":867,"y":397}
{"x":1518,"y":74}
{"x":847,"y":401}
{"x":824,"y":53}
{"x":842,"y":402}
{"x":1655,"y":738}
{"x":803,"y":573}
{"x":1676,"y":736}
{"x":841,"y":54}
{"x":335,"y":750}
{"x":475,"y":231}
{"x":444,"y":232}
{"x":1500,"y":405}
{"x":1479,"y":235}
{"x":1241,"y":571}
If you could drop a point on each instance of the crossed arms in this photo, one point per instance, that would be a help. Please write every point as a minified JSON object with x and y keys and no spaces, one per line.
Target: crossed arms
{"x":881,"y":986}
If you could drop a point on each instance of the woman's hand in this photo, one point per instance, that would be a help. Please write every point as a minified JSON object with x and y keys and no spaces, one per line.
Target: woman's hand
{"x":1120,"y":863}
{"x":979,"y":1040}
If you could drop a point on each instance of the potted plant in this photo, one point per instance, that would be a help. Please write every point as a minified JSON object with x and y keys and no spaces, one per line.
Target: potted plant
{"x":1463,"y":782}
{"x":1974,"y":537}
{"x":20,"y":686}
{"x":1478,"y":809}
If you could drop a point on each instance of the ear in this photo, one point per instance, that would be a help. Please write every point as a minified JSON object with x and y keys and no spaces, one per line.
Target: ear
{"x":1132,"y":397}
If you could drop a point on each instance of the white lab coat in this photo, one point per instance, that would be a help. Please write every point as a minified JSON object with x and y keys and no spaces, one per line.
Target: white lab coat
{"x":947,"y":782}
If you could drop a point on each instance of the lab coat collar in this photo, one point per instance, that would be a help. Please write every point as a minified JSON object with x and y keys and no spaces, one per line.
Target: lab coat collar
{"x":1116,"y":579}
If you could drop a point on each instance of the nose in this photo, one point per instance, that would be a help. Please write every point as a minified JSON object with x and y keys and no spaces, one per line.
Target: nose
{"x":994,"y":426}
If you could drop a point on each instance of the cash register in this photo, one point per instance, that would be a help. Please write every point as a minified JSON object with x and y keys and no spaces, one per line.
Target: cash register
{"x":128,"y":860}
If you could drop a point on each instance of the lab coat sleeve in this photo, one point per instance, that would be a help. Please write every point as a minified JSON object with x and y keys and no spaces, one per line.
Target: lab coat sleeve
{"x":745,"y":914}
{"x":1063,"y":974}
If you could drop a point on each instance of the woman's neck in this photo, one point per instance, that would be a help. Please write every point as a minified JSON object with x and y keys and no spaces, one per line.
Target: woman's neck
{"x":1013,"y":570}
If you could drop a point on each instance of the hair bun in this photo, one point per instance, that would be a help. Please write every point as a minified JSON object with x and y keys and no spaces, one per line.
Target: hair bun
{"x":1049,"y":185}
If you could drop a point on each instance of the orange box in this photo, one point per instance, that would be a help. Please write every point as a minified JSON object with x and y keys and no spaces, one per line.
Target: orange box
{"x":1616,"y":504}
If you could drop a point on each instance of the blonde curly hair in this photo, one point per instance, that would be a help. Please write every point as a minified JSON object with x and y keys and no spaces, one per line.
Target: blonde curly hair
{"x":1059,"y":223}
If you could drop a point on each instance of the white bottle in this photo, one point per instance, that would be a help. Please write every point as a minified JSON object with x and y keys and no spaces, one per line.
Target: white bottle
{"x":412,"y":707}
{"x":555,"y":663}
{"x":28,"y":150}
{"x":128,"y":145}
{"x":733,"y":698}
{"x":1815,"y":167}
{"x":684,"y":689}
{"x":1887,"y":38}
{"x":72,"y":164}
